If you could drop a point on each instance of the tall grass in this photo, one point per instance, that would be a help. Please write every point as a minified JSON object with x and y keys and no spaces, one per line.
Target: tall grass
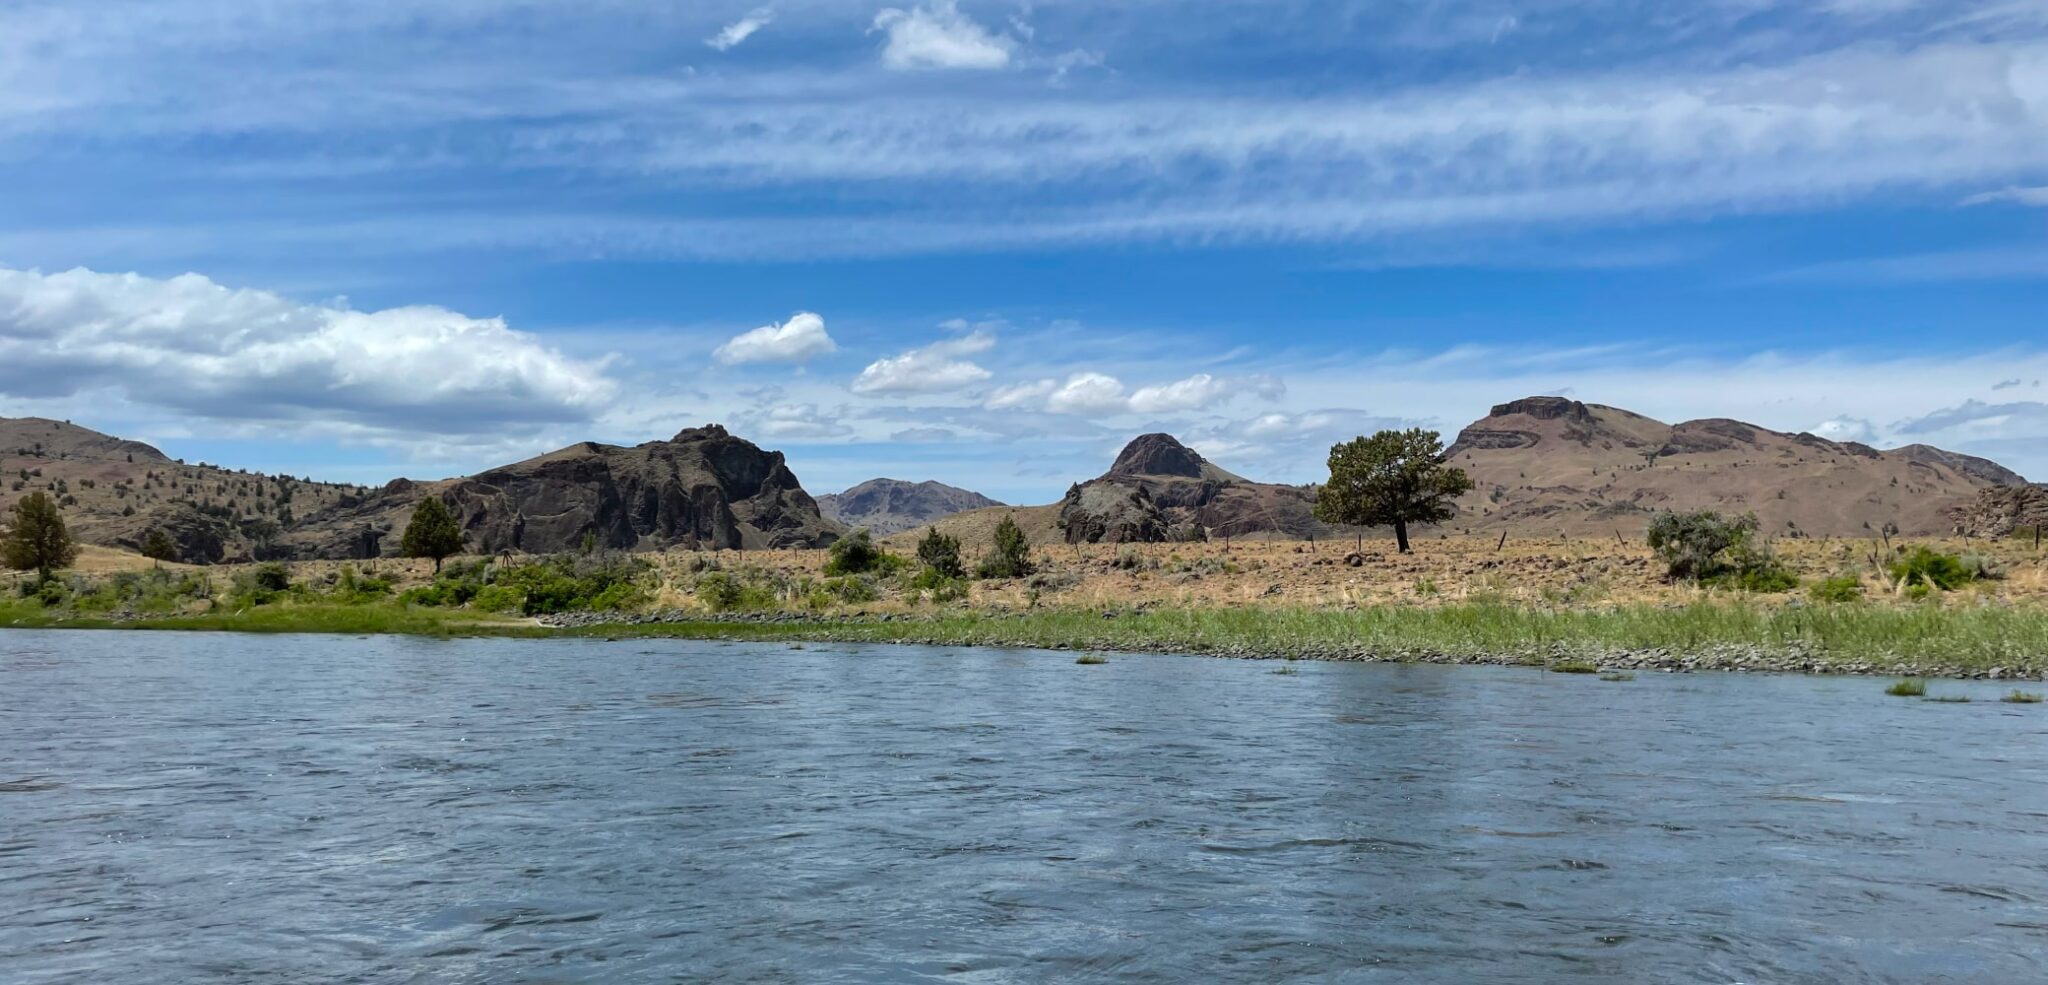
{"x":1964,"y":638}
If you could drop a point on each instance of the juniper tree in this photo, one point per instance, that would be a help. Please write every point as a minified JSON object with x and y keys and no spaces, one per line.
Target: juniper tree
{"x":432,"y":533}
{"x":37,"y":540}
{"x":1393,"y":478}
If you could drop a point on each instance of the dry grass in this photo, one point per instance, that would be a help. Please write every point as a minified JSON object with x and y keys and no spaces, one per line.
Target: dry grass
{"x":1580,"y":574}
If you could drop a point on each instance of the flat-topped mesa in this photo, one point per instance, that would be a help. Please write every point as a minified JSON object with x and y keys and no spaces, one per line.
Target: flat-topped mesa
{"x":1544,"y":409}
{"x":1158,"y":454}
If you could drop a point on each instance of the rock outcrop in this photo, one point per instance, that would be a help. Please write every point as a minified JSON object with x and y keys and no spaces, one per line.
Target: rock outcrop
{"x":2002,"y":511}
{"x":889,"y":506}
{"x":702,"y":489}
{"x":1159,"y":489}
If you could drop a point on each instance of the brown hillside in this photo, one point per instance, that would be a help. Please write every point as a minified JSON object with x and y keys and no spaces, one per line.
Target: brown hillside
{"x":113,"y":492}
{"x":1548,"y":465}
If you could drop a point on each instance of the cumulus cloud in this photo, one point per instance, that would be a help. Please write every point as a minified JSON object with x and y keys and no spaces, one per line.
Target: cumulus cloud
{"x":936,"y":34}
{"x":740,"y":30}
{"x":192,"y":346}
{"x":1089,"y":393}
{"x":1848,"y":429}
{"x":935,"y":368}
{"x":800,"y":338}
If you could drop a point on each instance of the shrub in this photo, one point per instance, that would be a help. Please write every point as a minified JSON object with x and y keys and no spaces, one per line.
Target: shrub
{"x":1839,"y":589}
{"x":353,"y":589}
{"x":1010,"y":557}
{"x":721,"y":592}
{"x":1924,"y":566}
{"x":1691,"y":544}
{"x":1754,"y":569}
{"x":498,"y":598}
{"x":1911,"y":687}
{"x":851,"y":590}
{"x":940,"y":555}
{"x":600,"y":581}
{"x":939,"y":587}
{"x":857,"y":553}
{"x":2018,"y":697}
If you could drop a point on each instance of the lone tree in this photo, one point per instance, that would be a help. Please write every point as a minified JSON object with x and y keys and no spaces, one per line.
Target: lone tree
{"x":159,"y":547}
{"x":432,"y":532}
{"x":37,"y":539}
{"x":1393,"y":477}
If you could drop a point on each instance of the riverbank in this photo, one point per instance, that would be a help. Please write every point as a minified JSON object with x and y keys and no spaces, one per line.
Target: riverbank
{"x":1992,"y":642}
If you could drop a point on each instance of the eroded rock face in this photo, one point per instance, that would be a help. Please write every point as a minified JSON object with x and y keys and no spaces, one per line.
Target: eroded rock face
{"x":201,"y":538}
{"x":1158,"y":455}
{"x":2001,"y":511}
{"x":702,"y":489}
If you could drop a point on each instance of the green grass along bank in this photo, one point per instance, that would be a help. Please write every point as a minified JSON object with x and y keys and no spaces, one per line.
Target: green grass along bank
{"x":1920,"y":640}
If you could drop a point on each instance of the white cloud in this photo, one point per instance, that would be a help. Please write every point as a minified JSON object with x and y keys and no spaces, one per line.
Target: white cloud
{"x":1856,"y":429}
{"x":190,"y":346}
{"x":1020,"y":395}
{"x":797,"y":421}
{"x":2036,"y":197}
{"x":935,"y":368}
{"x":1195,"y":392}
{"x":801,"y":338}
{"x":935,"y":34}
{"x":740,"y":30}
{"x":1096,"y":393}
{"x":1089,"y":393}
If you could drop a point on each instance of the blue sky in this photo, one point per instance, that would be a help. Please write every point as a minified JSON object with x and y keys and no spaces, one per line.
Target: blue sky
{"x":988,"y":242}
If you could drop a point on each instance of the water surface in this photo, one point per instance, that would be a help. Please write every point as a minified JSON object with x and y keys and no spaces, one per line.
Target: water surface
{"x":235,"y":808}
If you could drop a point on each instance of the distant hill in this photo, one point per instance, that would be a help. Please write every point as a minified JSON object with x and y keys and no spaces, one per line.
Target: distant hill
{"x":888,"y":506}
{"x":1550,"y":465}
{"x":114,"y":491}
{"x":703,"y":488}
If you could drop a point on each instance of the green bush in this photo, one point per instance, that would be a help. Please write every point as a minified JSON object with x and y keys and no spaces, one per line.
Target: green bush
{"x":722,"y":592}
{"x":1924,"y":566}
{"x":1838,"y":589}
{"x":353,"y":589}
{"x":1010,"y":557}
{"x":939,"y":587}
{"x":1692,"y":545}
{"x":261,"y":585}
{"x":498,"y":598}
{"x":858,"y":554}
{"x":600,"y":581}
{"x":851,"y":590}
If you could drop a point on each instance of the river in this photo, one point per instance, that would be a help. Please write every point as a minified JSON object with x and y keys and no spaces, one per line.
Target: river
{"x":242,"y":808}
